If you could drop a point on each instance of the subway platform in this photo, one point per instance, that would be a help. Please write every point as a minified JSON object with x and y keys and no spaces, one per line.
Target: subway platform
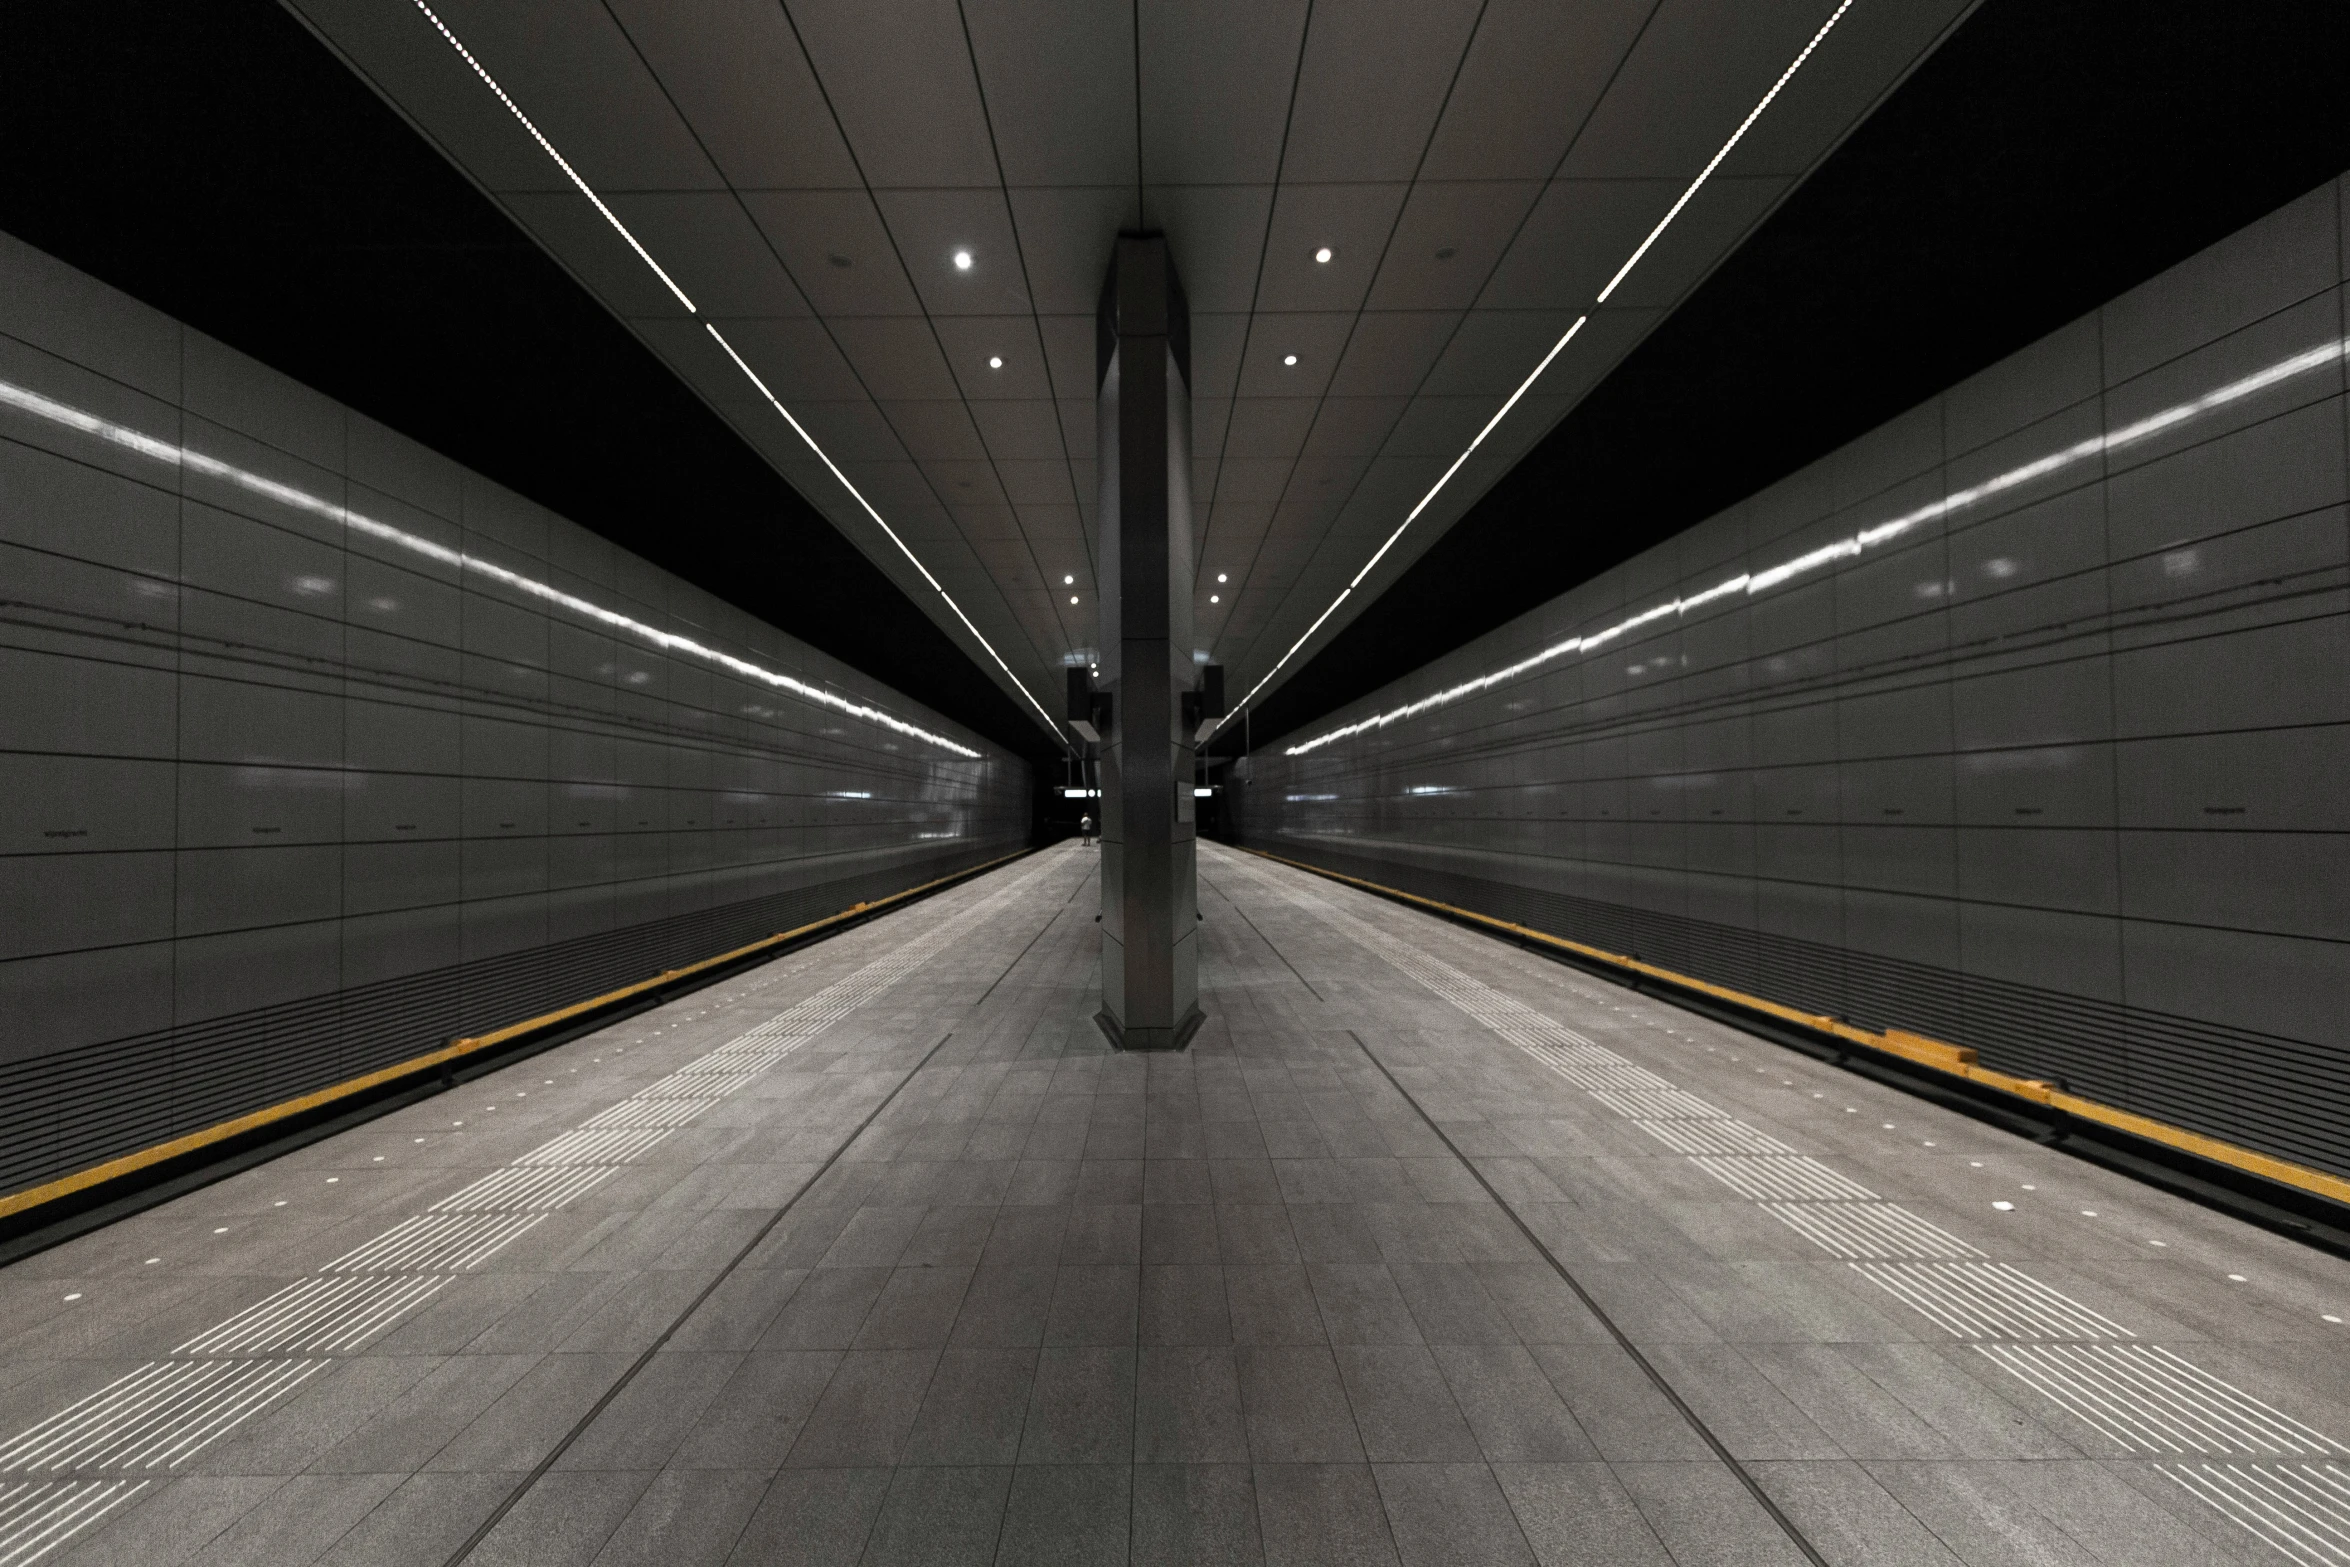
{"x":1426,"y":1251}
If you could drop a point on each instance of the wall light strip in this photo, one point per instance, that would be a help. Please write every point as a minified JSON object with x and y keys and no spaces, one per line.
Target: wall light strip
{"x":189,"y":460}
{"x":1745,"y":585}
{"x":645,"y":256}
{"x":548,"y":148}
{"x":1622,"y":272}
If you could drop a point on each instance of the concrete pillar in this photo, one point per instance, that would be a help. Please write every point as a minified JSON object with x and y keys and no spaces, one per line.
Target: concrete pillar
{"x":1150,"y":897}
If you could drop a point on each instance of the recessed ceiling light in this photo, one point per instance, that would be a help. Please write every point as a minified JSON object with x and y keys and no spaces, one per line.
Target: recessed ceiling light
{"x":1072,"y":598}
{"x":1220,"y":577}
{"x":962,"y":261}
{"x":995,"y":361}
{"x":1289,"y":359}
{"x":1324,"y":254}
{"x":1215,"y":598}
{"x":1068,"y":581}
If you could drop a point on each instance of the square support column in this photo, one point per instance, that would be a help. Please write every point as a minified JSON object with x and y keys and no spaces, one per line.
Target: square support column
{"x":1150,"y":896}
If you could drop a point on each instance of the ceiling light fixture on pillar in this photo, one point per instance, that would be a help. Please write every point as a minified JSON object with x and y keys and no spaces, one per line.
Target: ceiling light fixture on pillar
{"x":1151,"y":706}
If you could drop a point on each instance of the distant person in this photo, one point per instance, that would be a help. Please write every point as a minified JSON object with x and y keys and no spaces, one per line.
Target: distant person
{"x":1085,"y":828}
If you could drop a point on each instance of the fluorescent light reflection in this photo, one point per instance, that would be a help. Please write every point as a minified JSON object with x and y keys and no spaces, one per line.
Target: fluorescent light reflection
{"x":1622,"y":272}
{"x":1745,"y":585}
{"x":962,"y":261}
{"x":189,"y":460}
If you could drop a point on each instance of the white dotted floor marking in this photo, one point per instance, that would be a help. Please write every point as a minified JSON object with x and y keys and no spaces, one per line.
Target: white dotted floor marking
{"x":162,"y":1414}
{"x":2142,"y":1397}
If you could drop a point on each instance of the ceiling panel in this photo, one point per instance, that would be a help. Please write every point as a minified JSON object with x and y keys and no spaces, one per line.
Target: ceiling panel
{"x":837,"y":249}
{"x":796,"y":359}
{"x":1479,"y":172}
{"x":1699,"y":67}
{"x":1573,"y":241}
{"x":1073,"y":229}
{"x":1352,"y":222}
{"x":898,"y":77}
{"x":1059,"y":84}
{"x":895,"y":356}
{"x":1447,"y":241}
{"x":577,"y":234}
{"x":1216,"y":234}
{"x":1353,"y":426}
{"x":1216,"y":80}
{"x":1043,"y":482}
{"x":1024,"y":430}
{"x":974,"y":342}
{"x":736,"y":73}
{"x":1392,"y":349}
{"x":1528,"y":80}
{"x":1314,"y":341}
{"x":1269,"y":426}
{"x":1253,"y":480}
{"x":1493,"y":353}
{"x":850,"y":431}
{"x":587,"y":91}
{"x":722,"y":261}
{"x":1374,"y":77}
{"x":932,"y":227}
{"x":936,"y":428}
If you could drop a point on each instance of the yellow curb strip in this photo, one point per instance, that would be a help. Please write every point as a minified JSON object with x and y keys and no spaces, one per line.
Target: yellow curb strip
{"x":456,"y":1049}
{"x":1953,"y":1060}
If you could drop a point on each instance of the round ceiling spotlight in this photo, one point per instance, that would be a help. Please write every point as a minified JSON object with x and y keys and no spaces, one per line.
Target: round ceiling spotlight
{"x":962,"y":261}
{"x":1221,"y":577}
{"x":995,"y":361}
{"x":1215,"y":598}
{"x":1068,"y":580}
{"x":1072,"y":598}
{"x":1290,"y":359}
{"x":1324,"y":254}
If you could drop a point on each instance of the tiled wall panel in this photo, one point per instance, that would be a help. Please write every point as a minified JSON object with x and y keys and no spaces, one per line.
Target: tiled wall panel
{"x":286,"y":796}
{"x":2043,"y":744}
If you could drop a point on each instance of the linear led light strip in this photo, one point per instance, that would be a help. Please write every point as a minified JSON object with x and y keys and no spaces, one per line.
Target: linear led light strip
{"x":1565,"y":338}
{"x":670,"y":283}
{"x":2136,"y":433}
{"x":29,"y":401}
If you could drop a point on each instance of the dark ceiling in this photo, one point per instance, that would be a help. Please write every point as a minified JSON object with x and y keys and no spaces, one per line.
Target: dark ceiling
{"x":212,"y":159}
{"x":2045,"y":159}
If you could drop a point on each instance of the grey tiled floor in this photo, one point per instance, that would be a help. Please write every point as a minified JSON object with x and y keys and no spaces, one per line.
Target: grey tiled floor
{"x":1239,"y":1304}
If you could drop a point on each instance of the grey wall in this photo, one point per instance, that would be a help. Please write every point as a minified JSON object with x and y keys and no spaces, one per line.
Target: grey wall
{"x":2055,"y":767}
{"x":288,"y":796}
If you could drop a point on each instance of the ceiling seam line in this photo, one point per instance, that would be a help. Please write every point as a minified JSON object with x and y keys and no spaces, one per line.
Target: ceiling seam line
{"x":1305,"y":35}
{"x":1035,"y":320}
{"x":931,"y":324}
{"x":1630,"y":48}
{"x":1419,"y":166}
{"x":833,"y":112}
{"x":630,"y":326}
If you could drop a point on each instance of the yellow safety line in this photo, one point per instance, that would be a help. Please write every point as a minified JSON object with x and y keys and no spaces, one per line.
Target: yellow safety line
{"x":1952,"y":1060}
{"x":455,"y":1049}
